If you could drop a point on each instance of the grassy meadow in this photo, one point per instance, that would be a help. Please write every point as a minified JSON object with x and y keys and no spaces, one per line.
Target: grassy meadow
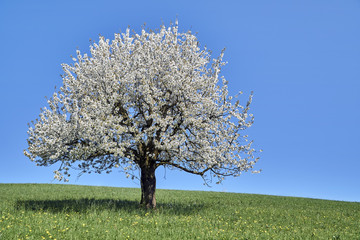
{"x":53,"y":211}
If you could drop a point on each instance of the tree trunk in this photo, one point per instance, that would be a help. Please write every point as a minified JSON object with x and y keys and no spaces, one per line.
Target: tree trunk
{"x":148,"y":185}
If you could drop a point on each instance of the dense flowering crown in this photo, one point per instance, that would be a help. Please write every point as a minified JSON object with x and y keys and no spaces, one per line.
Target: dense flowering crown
{"x":155,"y":95}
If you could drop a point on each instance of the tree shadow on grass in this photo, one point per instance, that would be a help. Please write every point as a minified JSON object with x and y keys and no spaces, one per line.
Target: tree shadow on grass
{"x":88,"y":205}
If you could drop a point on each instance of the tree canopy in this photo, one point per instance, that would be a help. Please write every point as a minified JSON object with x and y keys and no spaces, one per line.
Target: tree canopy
{"x":142,"y":101}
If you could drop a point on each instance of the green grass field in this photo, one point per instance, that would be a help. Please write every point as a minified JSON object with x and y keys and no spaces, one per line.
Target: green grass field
{"x":46,"y":211}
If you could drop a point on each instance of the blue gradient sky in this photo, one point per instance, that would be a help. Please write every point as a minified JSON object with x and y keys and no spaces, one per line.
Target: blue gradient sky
{"x":301,"y":59}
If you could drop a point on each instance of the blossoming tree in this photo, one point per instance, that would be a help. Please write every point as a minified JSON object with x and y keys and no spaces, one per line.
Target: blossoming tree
{"x":140,"y":102}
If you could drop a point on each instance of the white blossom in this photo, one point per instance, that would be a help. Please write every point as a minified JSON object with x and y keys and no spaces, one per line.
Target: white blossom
{"x":154,"y":94}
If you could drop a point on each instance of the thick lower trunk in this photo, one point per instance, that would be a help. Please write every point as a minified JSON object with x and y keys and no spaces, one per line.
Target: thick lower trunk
{"x":148,"y":186}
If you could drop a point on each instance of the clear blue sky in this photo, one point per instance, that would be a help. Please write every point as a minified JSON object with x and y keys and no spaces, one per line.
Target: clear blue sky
{"x":301,"y":59}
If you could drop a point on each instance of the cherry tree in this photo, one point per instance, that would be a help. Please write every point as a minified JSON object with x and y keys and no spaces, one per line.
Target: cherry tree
{"x":139,"y":102}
